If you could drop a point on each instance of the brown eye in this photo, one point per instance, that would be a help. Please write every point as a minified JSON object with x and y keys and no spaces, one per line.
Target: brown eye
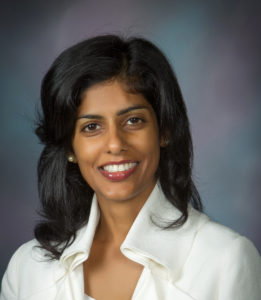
{"x":135,"y":120}
{"x":91,"y":127}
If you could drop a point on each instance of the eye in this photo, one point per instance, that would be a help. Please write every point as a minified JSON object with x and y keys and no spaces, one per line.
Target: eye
{"x":135,"y":120}
{"x":91,"y":127}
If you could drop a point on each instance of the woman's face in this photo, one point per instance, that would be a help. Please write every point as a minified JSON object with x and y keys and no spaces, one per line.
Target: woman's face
{"x":116,"y":142}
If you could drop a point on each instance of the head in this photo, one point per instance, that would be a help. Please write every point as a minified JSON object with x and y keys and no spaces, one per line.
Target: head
{"x":116,"y":143}
{"x":142,"y":69}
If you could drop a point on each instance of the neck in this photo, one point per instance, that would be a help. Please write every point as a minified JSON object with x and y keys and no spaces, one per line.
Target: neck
{"x":116,"y":218}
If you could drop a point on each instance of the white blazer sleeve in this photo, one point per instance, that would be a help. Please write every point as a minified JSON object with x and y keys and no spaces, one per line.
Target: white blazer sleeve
{"x":9,"y":290}
{"x":241,"y":276}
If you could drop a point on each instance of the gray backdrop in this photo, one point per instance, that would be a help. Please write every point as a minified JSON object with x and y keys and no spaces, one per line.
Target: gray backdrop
{"x":214,"y":47}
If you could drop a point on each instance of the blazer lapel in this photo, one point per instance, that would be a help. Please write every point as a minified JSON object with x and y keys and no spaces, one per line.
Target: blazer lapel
{"x":155,"y":288}
{"x":71,"y":286}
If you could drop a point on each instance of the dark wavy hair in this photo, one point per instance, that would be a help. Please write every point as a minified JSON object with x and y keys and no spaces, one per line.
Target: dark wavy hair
{"x":65,"y":196}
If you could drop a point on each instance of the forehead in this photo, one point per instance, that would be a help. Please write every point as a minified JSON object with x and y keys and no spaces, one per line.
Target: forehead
{"x":109,"y":97}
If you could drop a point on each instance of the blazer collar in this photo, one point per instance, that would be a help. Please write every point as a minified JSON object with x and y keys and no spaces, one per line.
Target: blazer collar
{"x":145,"y":242}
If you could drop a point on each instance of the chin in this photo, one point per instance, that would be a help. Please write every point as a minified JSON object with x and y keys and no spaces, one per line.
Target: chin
{"x":120,"y":193}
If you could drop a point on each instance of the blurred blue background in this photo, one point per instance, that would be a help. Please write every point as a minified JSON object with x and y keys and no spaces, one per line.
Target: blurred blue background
{"x":215,"y":49}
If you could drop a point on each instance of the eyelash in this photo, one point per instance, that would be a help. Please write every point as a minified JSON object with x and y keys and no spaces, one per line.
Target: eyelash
{"x":137,"y":122}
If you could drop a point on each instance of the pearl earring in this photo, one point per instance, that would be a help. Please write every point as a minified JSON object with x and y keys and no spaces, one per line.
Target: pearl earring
{"x":70,"y":158}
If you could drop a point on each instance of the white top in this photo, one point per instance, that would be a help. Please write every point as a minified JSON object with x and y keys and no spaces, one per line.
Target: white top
{"x":86,"y":297}
{"x":201,"y":260}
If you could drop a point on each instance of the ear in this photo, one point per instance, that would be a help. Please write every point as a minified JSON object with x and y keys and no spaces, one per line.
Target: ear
{"x":164,"y":141}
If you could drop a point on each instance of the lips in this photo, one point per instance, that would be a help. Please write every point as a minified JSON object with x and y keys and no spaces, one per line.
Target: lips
{"x":117,"y":171}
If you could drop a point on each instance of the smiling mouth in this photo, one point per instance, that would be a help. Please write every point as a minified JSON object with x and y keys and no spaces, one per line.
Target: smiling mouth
{"x":118,"y":172}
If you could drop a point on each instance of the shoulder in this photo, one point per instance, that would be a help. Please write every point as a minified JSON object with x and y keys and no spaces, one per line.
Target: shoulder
{"x":216,"y":239}
{"x":29,"y":255}
{"x":227,"y":260}
{"x":26,"y":250}
{"x":26,"y":270}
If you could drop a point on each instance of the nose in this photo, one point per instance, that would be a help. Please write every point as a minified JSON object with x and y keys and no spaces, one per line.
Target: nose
{"x":115,"y":141}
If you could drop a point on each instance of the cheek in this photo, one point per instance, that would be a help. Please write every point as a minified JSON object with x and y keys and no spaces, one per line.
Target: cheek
{"x":85,"y":152}
{"x":149,"y":146}
{"x":153,"y":148}
{"x":86,"y":155}
{"x":150,"y":140}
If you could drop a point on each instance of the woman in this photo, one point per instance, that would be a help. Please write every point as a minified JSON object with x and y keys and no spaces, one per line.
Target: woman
{"x":122,"y":217}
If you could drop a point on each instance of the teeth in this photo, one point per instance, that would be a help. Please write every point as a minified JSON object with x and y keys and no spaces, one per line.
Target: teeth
{"x":119,"y":168}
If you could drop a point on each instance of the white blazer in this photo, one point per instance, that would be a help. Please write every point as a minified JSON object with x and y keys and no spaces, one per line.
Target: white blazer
{"x":201,"y":260}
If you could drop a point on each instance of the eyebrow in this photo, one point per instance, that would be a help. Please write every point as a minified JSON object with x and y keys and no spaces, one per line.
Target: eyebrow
{"x":119,"y":113}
